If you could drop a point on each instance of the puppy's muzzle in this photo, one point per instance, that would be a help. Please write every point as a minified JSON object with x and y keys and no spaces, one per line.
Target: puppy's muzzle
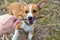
{"x":31,"y":19}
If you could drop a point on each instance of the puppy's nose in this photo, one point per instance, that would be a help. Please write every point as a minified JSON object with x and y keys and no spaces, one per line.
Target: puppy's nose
{"x":30,"y":18}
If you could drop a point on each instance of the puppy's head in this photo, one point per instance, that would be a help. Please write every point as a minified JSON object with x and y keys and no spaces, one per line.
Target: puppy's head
{"x":31,"y":11}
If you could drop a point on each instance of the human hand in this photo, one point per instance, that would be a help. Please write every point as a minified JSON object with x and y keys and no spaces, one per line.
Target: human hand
{"x":7,"y":23}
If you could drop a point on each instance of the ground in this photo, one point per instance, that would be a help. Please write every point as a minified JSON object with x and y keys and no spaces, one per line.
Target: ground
{"x":48,"y":28}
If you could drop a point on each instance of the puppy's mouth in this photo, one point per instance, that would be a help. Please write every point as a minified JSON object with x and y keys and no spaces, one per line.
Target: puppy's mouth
{"x":31,"y":20}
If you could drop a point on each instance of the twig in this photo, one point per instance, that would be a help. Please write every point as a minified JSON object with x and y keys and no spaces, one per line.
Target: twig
{"x":53,"y":24}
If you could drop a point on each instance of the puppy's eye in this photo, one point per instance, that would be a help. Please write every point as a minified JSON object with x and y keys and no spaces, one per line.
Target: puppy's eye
{"x":34,"y":11}
{"x":26,"y":11}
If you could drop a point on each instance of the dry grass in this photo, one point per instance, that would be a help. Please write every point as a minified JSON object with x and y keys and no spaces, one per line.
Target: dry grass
{"x":48,"y":28}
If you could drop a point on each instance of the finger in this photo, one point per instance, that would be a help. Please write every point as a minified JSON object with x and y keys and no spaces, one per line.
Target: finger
{"x":10,"y":19}
{"x":16,"y":22}
{"x":13,"y":18}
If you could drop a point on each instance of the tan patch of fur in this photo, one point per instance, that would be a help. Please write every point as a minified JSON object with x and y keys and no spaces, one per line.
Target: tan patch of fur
{"x":18,"y":25}
{"x":15,"y":9}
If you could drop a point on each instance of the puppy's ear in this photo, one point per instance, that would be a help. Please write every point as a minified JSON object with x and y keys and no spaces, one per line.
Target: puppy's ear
{"x":41,"y":4}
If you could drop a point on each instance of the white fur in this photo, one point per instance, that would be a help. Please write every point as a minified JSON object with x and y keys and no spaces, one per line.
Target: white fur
{"x":30,"y":14}
{"x":30,"y":36}
{"x":15,"y":35}
{"x":27,"y":27}
{"x":30,"y":9}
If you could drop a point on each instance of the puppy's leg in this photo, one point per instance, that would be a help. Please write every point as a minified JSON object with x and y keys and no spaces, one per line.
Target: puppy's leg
{"x":30,"y":35}
{"x":3,"y":38}
{"x":15,"y":36}
{"x":24,"y":37}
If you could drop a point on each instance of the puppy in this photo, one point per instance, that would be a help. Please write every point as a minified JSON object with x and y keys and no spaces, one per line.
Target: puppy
{"x":28,"y":12}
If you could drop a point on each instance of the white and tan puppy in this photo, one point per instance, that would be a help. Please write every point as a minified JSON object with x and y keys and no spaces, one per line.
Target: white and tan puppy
{"x":29,"y":12}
